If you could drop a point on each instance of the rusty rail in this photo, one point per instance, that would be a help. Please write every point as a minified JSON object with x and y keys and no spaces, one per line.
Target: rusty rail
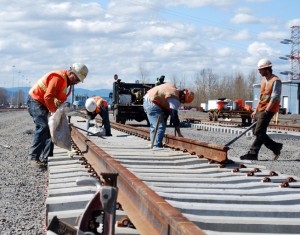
{"x":149,"y":212}
{"x":217,"y":153}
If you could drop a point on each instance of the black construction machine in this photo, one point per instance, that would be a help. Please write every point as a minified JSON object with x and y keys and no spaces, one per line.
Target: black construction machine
{"x":127,"y":101}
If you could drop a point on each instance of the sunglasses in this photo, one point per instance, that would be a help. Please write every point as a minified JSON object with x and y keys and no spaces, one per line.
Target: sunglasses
{"x":76,"y":78}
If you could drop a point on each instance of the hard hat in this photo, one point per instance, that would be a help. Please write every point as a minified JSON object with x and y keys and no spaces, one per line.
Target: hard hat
{"x":264,"y":63}
{"x":189,"y":96}
{"x":80,"y":70}
{"x":90,"y":105}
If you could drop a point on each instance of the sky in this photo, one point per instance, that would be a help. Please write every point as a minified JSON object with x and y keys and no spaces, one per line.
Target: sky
{"x":142,"y":38}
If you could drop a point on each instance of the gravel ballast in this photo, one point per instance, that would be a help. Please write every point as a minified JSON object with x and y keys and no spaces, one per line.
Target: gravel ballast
{"x":289,"y":161}
{"x":22,"y":187}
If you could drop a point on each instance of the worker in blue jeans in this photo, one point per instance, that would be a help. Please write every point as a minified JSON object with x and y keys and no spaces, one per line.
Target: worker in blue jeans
{"x":158,"y":99}
{"x":46,"y":95}
{"x":42,"y":146}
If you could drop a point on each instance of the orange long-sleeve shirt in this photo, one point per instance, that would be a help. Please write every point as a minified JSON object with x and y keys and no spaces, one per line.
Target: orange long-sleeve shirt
{"x":51,"y":89}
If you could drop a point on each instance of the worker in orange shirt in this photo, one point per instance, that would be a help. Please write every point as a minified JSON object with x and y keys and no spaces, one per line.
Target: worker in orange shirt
{"x":158,"y":99}
{"x":97,"y":105}
{"x":45,"y":97}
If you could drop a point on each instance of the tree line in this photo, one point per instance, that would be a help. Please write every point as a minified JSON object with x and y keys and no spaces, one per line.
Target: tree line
{"x":206,"y":84}
{"x":211,"y":86}
{"x":17,"y":98}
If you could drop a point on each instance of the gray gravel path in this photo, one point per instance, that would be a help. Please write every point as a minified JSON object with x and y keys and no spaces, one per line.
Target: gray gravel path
{"x":288,"y":162}
{"x":22,"y":187}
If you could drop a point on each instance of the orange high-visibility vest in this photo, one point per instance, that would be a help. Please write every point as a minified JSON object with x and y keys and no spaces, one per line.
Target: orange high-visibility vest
{"x":159,"y":94}
{"x":99,"y":101}
{"x":265,"y":95}
{"x":38,"y":91}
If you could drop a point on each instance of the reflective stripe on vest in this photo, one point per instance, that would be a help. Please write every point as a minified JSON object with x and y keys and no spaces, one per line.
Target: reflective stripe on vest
{"x":40,"y":85}
{"x":99,"y":101}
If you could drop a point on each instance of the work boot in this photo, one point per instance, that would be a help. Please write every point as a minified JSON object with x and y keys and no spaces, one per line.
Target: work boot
{"x":157,"y":148}
{"x":277,"y":151}
{"x":249,"y":156}
{"x":37,"y":163}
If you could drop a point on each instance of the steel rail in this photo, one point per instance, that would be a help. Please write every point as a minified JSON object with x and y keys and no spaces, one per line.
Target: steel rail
{"x":217,"y":153}
{"x":148,"y":211}
{"x":238,"y":124}
{"x":213,"y":152}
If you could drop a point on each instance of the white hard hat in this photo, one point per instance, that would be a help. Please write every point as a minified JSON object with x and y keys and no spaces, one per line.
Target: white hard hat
{"x":90,"y":105}
{"x":264,"y":63}
{"x":80,"y":70}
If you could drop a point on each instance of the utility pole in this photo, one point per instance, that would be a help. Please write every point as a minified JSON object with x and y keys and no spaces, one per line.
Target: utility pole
{"x":12,"y":93}
{"x":295,"y":52}
{"x":294,"y":57}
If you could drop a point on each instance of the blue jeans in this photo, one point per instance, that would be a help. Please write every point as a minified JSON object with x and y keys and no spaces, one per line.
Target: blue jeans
{"x":42,"y":146}
{"x":153,"y":112}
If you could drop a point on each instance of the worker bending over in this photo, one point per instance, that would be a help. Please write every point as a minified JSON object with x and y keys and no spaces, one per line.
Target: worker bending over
{"x":44,"y":97}
{"x":268,"y":104}
{"x":97,"y":105}
{"x":160,"y":98}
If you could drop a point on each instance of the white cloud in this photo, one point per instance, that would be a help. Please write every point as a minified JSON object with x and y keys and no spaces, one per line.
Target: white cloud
{"x":214,"y":33}
{"x":260,"y":49}
{"x":124,"y":36}
{"x":224,"y":52}
{"x":245,"y":18}
{"x":202,"y":3}
{"x":273,"y":35}
{"x":242,"y":35}
{"x":293,"y":22}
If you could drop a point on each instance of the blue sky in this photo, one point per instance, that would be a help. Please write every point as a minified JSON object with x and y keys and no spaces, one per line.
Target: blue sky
{"x":140,"y":39}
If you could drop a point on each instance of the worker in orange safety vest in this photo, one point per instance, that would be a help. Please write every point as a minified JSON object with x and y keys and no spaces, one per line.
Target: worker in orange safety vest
{"x":160,"y":98}
{"x":48,"y":93}
{"x":268,"y":104}
{"x":97,"y":105}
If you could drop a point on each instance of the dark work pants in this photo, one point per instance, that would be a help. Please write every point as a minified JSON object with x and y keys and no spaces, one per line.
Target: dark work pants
{"x":42,"y":146}
{"x":104,"y":114}
{"x":260,"y":131}
{"x":105,"y":119}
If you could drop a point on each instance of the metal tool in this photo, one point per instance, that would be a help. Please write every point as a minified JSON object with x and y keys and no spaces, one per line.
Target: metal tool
{"x":155,"y":131}
{"x":100,"y":212}
{"x":90,"y":133}
{"x":240,"y":135}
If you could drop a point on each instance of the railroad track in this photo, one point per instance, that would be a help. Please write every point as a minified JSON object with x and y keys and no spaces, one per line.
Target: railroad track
{"x":189,"y":188}
{"x":236,"y":129}
{"x":272,"y":127}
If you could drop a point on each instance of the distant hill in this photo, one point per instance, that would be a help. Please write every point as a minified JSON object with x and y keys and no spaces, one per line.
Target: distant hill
{"x":100,"y":92}
{"x":78,"y":91}
{"x":104,"y":93}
